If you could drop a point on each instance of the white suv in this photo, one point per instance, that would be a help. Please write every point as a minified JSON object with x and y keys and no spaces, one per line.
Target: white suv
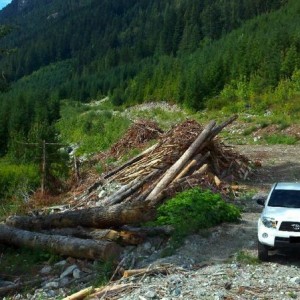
{"x":279,"y":223}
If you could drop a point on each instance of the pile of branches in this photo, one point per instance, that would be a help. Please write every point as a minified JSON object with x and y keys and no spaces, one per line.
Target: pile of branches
{"x":141,"y":132}
{"x":186,"y":156}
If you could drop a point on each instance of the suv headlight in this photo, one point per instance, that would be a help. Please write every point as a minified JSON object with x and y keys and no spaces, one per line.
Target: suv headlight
{"x":269,"y":222}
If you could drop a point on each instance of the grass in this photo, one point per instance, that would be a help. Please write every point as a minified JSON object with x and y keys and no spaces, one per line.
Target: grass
{"x":275,"y":139}
{"x":25,"y":262}
{"x":104,"y":272}
{"x":246,"y":258}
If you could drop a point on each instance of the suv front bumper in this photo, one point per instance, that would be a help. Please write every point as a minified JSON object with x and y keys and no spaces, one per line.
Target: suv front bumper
{"x":274,"y":238}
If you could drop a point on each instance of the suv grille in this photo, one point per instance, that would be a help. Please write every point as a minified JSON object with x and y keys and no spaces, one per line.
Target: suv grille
{"x":290,"y":226}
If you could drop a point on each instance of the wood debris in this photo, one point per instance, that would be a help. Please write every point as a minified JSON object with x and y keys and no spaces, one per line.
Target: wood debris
{"x":186,"y":156}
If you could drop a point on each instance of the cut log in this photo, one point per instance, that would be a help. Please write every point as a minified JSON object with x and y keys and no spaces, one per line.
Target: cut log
{"x":123,"y":237}
{"x":198,"y":160}
{"x":97,"y":217}
{"x":74,"y":247}
{"x":129,"y":190}
{"x":176,"y":168}
{"x":150,"y":231}
{"x":174,"y":186}
{"x":81,"y":294}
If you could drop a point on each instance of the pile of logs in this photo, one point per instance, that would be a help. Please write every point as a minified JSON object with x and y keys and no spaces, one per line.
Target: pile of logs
{"x":186,"y":156}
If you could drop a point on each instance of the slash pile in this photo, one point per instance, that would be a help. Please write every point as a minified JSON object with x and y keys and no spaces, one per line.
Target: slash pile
{"x":188,"y":155}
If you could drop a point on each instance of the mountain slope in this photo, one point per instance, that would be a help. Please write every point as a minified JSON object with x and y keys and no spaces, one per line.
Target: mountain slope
{"x":184,"y":51}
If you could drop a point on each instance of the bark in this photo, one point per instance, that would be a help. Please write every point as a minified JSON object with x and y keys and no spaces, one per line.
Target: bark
{"x":198,"y":160}
{"x":124,"y":237}
{"x":176,"y":185}
{"x":219,"y":128}
{"x":97,"y":217}
{"x":129,"y":189}
{"x":176,"y":168}
{"x":74,"y":247}
{"x":150,"y":231}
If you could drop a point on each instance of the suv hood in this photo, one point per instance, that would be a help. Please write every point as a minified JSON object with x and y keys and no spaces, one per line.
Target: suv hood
{"x":282,"y":213}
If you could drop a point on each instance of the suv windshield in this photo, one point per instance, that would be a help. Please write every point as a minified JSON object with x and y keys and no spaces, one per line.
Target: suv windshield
{"x":285,"y":198}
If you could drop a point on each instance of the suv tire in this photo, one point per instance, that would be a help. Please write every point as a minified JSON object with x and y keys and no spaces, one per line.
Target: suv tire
{"x":263,"y":253}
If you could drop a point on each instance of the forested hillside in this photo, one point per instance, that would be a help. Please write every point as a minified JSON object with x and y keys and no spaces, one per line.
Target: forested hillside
{"x":198,"y":54}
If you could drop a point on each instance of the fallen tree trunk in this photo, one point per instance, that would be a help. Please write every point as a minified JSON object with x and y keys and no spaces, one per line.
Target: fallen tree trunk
{"x":150,"y":231}
{"x":174,"y":186}
{"x":121,"y":237}
{"x":198,"y":160}
{"x":177,"y":166}
{"x":97,"y":217}
{"x":129,"y":189}
{"x":74,"y":247}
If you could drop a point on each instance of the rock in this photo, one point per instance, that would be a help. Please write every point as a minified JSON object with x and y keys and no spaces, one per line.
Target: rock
{"x":51,"y":294}
{"x":151,"y":294}
{"x":46,"y":270}
{"x":51,"y":284}
{"x":64,"y":281}
{"x":76,"y":273}
{"x":295,"y":280}
{"x":68,"y":271}
{"x":61,"y":263}
{"x":102,"y":194}
{"x":5,"y":283}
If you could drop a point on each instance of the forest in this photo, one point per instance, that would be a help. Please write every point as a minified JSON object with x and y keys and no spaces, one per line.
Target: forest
{"x":208,"y":54}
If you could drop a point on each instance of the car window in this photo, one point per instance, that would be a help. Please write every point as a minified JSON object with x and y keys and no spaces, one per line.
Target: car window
{"x":285,"y":198}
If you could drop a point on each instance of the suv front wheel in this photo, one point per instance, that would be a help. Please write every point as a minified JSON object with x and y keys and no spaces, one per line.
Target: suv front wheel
{"x":263,"y":253}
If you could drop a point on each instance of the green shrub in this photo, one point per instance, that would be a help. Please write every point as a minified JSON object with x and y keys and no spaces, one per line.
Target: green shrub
{"x":196,"y":209}
{"x":280,"y":139}
{"x":17,"y":178}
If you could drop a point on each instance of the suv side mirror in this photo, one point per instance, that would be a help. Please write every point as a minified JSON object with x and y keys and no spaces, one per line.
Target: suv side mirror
{"x":261,"y":202}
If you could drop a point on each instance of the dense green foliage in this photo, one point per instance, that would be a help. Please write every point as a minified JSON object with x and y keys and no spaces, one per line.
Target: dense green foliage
{"x":227,"y":55}
{"x":196,"y":209}
{"x":182,"y":51}
{"x":17,"y":179}
{"x":92,"y":130}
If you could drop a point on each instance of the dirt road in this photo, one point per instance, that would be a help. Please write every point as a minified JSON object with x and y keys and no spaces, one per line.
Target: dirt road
{"x":278,"y":163}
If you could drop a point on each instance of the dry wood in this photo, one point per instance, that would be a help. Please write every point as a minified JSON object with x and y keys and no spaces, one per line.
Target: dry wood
{"x":97,"y":217}
{"x":220,"y":127}
{"x":176,"y":186}
{"x":146,"y":271}
{"x":176,"y":167}
{"x":125,"y":237}
{"x":74,"y":247}
{"x":198,"y":160}
{"x":110,"y":291}
{"x":128,"y":189}
{"x":131,"y":161}
{"x":217,"y":181}
{"x":81,"y":294}
{"x":149,"y":231}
